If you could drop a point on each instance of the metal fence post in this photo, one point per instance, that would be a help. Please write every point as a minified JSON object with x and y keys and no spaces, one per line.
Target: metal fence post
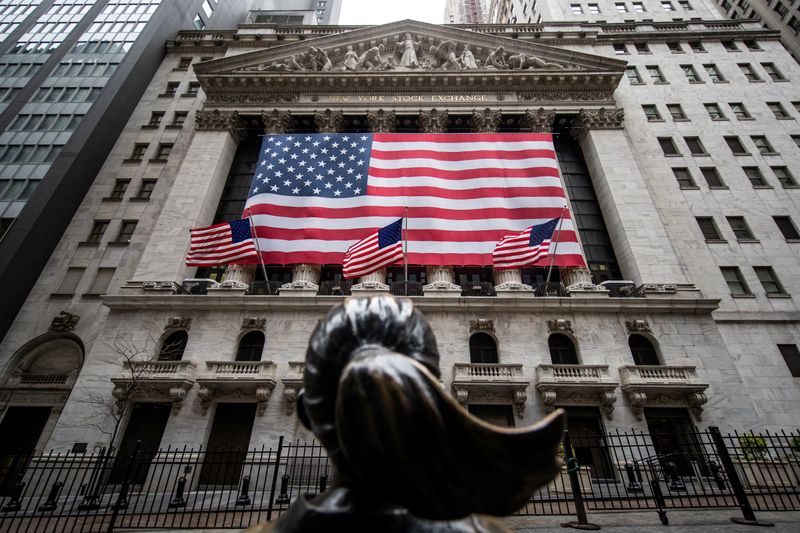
{"x":274,"y":478}
{"x":575,"y":485}
{"x":748,"y":516}
{"x":122,"y":499}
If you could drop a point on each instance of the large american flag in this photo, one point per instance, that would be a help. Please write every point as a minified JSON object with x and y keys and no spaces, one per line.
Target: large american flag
{"x":314,"y":195}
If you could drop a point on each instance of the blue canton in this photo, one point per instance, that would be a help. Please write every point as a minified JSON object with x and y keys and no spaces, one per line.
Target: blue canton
{"x":542,"y":232}
{"x":390,"y":234}
{"x":326,"y":165}
{"x":240,"y":230}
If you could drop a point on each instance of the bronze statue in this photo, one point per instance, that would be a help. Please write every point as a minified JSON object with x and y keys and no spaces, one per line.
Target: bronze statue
{"x":408,"y":457}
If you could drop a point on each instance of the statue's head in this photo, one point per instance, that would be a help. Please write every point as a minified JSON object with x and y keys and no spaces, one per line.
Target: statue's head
{"x":372,"y":396}
{"x":349,"y":47}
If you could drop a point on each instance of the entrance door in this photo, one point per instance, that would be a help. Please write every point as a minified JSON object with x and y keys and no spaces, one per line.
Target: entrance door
{"x":227,"y":444}
{"x":674,"y":437}
{"x":19,"y":432}
{"x":587,"y":434}
{"x":146,"y":424}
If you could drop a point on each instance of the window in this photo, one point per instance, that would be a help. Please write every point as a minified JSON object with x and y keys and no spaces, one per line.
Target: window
{"x":712,"y":178}
{"x":178,"y":119}
{"x":562,"y":350}
{"x":730,"y":46}
{"x":642,"y":350}
{"x":620,"y":49}
{"x":785,"y":177}
{"x":138,"y":152}
{"x":651,"y":112}
{"x":621,"y":7}
{"x":773,"y":72}
{"x":736,"y":284}
{"x":791,"y":355}
{"x":173,"y":347}
{"x":633,"y":76}
{"x":684,"y":178}
{"x":691,"y":74}
{"x":171,"y":89}
{"x":714,"y":74}
{"x":120,"y":186}
{"x":250,"y":347}
{"x":796,"y":139}
{"x":163,"y":151}
{"x":98,"y":230}
{"x":667,"y":6}
{"x":736,"y":146}
{"x":577,"y":9}
{"x":638,"y":7}
{"x":668,"y":146}
{"x":126,"y":230}
{"x":752,"y":45}
{"x":70,"y":281}
{"x":755,"y":176}
{"x":594,"y":8}
{"x":709,"y":229}
{"x":778,"y":110}
{"x":685,"y":5}
{"x":675,"y":48}
{"x":482,"y":349}
{"x":101,"y":281}
{"x":198,"y":22}
{"x":762,"y":144}
{"x":696,"y":46}
{"x":641,"y":48}
{"x":740,"y":229}
{"x":146,"y":189}
{"x":183,"y":63}
{"x":192,"y":89}
{"x":749,"y":72}
{"x":207,"y":9}
{"x":655,"y":74}
{"x":695,"y":146}
{"x":715,"y":112}
{"x":768,"y":279}
{"x":740,"y":111}
{"x":787,"y":228}
{"x":676,"y":112}
{"x":155,"y":119}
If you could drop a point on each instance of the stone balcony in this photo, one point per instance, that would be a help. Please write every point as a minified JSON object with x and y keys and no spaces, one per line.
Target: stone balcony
{"x":490,"y":383}
{"x":237,"y":380}
{"x":664,"y":386}
{"x":576,"y":385}
{"x":155,"y":381}
{"x":292,"y":384}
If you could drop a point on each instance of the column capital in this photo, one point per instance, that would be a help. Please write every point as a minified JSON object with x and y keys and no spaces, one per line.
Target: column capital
{"x":276,"y":121}
{"x":600,"y":119}
{"x":486,"y":121}
{"x":539,"y":121}
{"x":216,"y":120}
{"x":329,"y":121}
{"x":433,"y":121}
{"x":381,"y":121}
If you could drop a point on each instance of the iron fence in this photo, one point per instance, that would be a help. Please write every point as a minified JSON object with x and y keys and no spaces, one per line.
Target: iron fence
{"x":197,"y":489}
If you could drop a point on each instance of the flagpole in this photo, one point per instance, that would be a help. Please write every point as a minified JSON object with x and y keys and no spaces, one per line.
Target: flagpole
{"x":405,"y":252}
{"x":258,"y":248}
{"x":555,"y":248}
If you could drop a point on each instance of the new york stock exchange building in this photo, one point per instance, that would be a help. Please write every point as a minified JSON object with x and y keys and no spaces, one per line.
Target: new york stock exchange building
{"x":677,"y":143}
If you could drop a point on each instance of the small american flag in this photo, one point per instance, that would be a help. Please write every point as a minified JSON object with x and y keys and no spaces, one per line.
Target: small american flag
{"x":221,"y":244}
{"x":526,"y":248}
{"x":380,"y":249}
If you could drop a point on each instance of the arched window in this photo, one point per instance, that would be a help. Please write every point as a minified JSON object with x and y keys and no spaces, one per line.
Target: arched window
{"x":250,"y":347}
{"x":482,"y":349}
{"x":643,"y":351}
{"x":562,"y":350}
{"x":173,"y":347}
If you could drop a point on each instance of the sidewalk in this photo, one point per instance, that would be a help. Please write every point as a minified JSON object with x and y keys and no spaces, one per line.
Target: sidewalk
{"x":679,"y":522}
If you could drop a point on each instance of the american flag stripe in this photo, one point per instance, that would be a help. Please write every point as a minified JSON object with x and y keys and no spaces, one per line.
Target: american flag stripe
{"x":226,"y":243}
{"x":379,"y":249}
{"x":462,"y":193}
{"x":527,"y":247}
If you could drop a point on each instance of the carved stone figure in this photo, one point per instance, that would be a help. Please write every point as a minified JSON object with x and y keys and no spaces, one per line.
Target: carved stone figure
{"x":408,"y":47}
{"x":521,"y":62}
{"x":316,"y":59}
{"x":372,"y":60}
{"x":408,"y":457}
{"x":496,"y":59}
{"x":468,"y":59}
{"x":350,"y":59}
{"x":445,"y":54}
{"x":64,"y":322}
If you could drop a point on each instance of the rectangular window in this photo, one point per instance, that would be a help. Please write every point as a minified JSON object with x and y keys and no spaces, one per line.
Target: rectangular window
{"x":641,"y":48}
{"x":696,"y":46}
{"x":675,"y":48}
{"x":146,"y":189}
{"x":749,"y":72}
{"x":755,"y":176}
{"x":676,"y":112}
{"x":773,"y":72}
{"x":736,"y":146}
{"x":685,"y":5}
{"x":740,"y":111}
{"x":712,"y":178}
{"x":740,"y":229}
{"x":120,"y":186}
{"x":98,"y":230}
{"x":101,"y":281}
{"x":796,"y":139}
{"x":736,"y":284}
{"x":762,"y":144}
{"x":163,"y":151}
{"x":633,"y":76}
{"x":594,"y":8}
{"x":208,"y":9}
{"x":752,"y":45}
{"x":655,"y":74}
{"x":695,"y":146}
{"x":577,"y":9}
{"x":691,"y":74}
{"x":70,"y":281}
{"x":638,"y":7}
{"x":769,"y":280}
{"x":715,"y":112}
{"x":778,"y":110}
{"x":126,"y":230}
{"x":651,"y":112}
{"x":198,"y":22}
{"x":714,"y":73}
{"x":192,"y":89}
{"x":709,"y":229}
{"x":178,"y":119}
{"x":684,"y":178}
{"x":620,"y":49}
{"x":784,"y":177}
{"x":791,"y":355}
{"x":730,"y":46}
{"x":155,"y":119}
{"x":621,"y":7}
{"x":138,"y":151}
{"x":787,"y":228}
{"x":171,"y":89}
{"x":667,"y":6}
{"x":668,"y":146}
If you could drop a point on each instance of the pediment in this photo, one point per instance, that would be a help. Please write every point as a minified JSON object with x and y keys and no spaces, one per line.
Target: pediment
{"x":407,"y":49}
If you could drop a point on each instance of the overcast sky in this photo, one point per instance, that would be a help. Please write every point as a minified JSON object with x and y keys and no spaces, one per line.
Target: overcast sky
{"x":383,"y":11}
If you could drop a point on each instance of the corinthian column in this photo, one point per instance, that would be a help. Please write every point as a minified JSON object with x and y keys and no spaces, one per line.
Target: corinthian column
{"x":433,"y":121}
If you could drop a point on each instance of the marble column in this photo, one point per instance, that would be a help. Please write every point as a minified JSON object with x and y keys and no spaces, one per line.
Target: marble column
{"x":509,"y":283}
{"x":440,"y":282}
{"x":433,"y":121}
{"x":192,"y":200}
{"x":305,"y":280}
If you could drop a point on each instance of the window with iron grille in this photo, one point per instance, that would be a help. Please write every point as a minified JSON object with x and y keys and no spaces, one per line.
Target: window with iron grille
{"x":633,"y":76}
{"x":714,"y":73}
{"x":691,"y":74}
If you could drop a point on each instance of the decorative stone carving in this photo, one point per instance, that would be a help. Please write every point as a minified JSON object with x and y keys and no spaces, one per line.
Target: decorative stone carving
{"x":638,"y":326}
{"x":329,"y":121}
{"x":539,"y":121}
{"x":64,"y":322}
{"x":462,"y":395}
{"x":230,"y":285}
{"x":408,"y":47}
{"x":607,"y":400}
{"x":601,"y":119}
{"x":381,"y":121}
{"x":467,"y":59}
{"x":433,"y":121}
{"x":657,"y":289}
{"x":520,"y":396}
{"x":486,"y":121}
{"x":496,"y":59}
{"x":290,"y":399}
{"x":522,"y":61}
{"x":160,"y":286}
{"x":205,"y":395}
{"x":373,"y":60}
{"x":262,"y":397}
{"x":178,"y":322}
{"x":549,"y":398}
{"x":559,"y":325}
{"x":444,"y":56}
{"x":254,"y":322}
{"x":637,"y":400}
{"x":481,"y":324}
{"x":276,"y":121}
{"x":564,"y":96}
{"x":696,"y":402}
{"x":217,"y":120}
{"x":292,"y":384}
{"x":250,"y":97}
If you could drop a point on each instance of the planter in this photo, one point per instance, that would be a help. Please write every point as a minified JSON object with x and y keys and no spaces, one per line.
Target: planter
{"x":768,"y":473}
{"x":561,"y":482}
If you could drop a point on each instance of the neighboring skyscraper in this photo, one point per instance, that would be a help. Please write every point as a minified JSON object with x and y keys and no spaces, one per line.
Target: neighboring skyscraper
{"x":780,"y":15}
{"x":465,"y":12}
{"x":534,"y":11}
{"x":297,"y":12}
